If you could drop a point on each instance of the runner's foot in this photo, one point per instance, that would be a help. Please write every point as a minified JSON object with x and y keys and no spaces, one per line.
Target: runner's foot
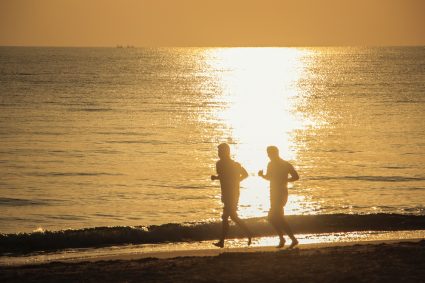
{"x":281,"y":244}
{"x":249,"y":240}
{"x":219,"y":244}
{"x":293,"y":244}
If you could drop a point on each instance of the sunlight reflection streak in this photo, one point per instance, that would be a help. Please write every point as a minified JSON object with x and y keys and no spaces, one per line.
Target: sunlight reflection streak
{"x":259,"y":91}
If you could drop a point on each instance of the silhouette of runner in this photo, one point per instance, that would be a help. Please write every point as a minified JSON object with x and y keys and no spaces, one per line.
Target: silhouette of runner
{"x":230,"y":173}
{"x":277,"y":173}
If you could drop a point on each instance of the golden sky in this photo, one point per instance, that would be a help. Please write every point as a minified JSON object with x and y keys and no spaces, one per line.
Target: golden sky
{"x":212,"y":22}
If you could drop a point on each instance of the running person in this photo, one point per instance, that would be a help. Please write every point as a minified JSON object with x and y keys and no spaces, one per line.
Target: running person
{"x":230,"y":173}
{"x":277,"y":173}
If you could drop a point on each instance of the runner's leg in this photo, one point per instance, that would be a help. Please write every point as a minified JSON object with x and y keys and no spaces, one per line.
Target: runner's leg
{"x":234,"y":216}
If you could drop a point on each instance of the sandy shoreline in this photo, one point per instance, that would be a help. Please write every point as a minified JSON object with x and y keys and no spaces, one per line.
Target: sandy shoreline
{"x":205,"y":248}
{"x":213,"y":251}
{"x":367,"y":262}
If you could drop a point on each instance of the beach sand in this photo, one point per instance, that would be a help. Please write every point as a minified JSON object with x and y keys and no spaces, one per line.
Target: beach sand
{"x":371,"y":262}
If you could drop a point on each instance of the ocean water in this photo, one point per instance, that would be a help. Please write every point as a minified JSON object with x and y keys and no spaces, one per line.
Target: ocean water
{"x":95,"y":137}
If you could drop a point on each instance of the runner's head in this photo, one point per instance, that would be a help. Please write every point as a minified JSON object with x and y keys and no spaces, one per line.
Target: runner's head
{"x":223,"y":151}
{"x":273,"y":152}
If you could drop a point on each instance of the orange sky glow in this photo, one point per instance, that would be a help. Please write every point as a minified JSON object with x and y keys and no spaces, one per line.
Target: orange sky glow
{"x":212,"y":22}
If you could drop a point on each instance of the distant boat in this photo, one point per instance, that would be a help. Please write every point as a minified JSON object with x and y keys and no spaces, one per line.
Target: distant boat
{"x":128,"y":46}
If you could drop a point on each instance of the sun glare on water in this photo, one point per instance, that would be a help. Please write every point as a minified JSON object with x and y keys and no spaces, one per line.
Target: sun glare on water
{"x":259,"y":92}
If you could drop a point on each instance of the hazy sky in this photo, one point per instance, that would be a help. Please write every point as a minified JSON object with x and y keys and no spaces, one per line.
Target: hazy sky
{"x":212,"y":22}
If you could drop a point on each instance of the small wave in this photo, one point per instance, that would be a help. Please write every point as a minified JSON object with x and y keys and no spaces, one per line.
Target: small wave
{"x":371,"y":178}
{"x":395,"y":167}
{"x":195,"y":187}
{"x":72,"y":174}
{"x":154,"y":142}
{"x":20,"y":202}
{"x":179,"y":187}
{"x":185,"y":232}
{"x":23,"y":74}
{"x":125,"y":134}
{"x":129,"y":142}
{"x":66,"y":217}
{"x":48,"y":133}
{"x":90,"y":109}
{"x":338,"y":150}
{"x":408,"y":101}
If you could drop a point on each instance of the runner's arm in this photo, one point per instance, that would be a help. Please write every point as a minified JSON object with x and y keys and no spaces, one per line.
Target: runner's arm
{"x":293,"y":173}
{"x":244,"y":174}
{"x":216,"y":177}
{"x":267,"y":176}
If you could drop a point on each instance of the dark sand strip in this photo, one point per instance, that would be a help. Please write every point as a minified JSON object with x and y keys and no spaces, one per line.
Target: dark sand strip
{"x":385,"y":262}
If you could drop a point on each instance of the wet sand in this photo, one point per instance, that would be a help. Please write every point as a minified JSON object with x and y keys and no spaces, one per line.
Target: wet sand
{"x":376,"y":262}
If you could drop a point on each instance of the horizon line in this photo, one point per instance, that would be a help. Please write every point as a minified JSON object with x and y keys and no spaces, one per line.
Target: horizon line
{"x":128,"y":46}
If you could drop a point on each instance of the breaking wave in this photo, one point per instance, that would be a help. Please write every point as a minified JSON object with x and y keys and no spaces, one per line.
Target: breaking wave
{"x":186,"y":232}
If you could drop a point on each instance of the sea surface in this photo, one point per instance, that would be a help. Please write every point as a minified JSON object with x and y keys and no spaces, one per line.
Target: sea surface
{"x":93,"y":137}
